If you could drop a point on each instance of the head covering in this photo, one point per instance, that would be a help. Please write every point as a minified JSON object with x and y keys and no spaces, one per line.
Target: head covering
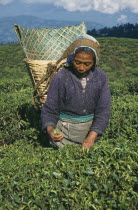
{"x":88,"y":37}
{"x":84,"y":40}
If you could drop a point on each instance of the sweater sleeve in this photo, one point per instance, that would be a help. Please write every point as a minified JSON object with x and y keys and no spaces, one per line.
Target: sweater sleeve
{"x":102,"y":112}
{"x":51,"y":109}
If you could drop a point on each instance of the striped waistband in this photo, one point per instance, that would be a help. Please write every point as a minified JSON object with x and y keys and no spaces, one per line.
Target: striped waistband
{"x":79,"y":118}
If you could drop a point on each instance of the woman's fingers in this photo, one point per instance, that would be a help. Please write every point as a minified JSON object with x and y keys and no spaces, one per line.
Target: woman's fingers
{"x":57,"y":137}
{"x":87,"y":144}
{"x":89,"y":141}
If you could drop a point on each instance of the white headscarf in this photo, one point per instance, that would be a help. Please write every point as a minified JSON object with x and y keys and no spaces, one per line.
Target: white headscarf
{"x":86,"y":36}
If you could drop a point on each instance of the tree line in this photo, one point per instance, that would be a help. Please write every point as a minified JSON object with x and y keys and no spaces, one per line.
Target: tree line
{"x":125,"y":30}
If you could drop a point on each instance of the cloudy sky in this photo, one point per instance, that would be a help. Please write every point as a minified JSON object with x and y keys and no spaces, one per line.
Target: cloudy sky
{"x":119,"y":11}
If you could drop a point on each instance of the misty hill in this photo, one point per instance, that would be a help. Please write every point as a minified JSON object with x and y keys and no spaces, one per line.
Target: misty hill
{"x":7,"y":33}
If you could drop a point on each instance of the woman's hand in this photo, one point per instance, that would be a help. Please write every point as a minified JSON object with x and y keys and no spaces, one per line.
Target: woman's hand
{"x":89,"y":141}
{"x":54,"y":135}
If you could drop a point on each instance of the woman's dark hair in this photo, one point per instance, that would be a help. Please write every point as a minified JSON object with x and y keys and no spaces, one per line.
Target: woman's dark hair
{"x":87,"y":50}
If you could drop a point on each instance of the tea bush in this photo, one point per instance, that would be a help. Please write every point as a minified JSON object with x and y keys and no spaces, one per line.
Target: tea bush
{"x":43,"y":178}
{"x":124,"y":87}
{"x":124,"y":118}
{"x":10,"y":85}
{"x":15,"y":123}
{"x":35,"y":176}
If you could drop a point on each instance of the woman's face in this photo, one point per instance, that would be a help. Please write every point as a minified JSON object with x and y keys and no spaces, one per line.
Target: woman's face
{"x":83,"y":62}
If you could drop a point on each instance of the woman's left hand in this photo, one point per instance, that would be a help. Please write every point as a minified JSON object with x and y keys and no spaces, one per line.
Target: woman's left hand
{"x":89,"y":141}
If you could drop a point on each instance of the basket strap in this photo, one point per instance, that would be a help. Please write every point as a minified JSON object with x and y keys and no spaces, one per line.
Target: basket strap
{"x":51,"y":71}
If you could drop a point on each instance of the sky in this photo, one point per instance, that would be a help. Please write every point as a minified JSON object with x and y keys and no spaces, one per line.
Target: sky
{"x":115,"y":11}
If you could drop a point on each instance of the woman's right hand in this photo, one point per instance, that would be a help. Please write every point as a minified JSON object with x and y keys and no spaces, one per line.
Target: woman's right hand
{"x":56,"y":138}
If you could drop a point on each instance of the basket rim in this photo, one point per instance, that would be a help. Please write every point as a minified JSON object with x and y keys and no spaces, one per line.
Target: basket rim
{"x":82,"y":23}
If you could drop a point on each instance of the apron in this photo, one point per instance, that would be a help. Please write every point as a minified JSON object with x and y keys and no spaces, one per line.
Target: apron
{"x":75,"y":131}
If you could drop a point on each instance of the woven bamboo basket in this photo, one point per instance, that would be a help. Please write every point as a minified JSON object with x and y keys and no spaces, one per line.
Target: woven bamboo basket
{"x":41,"y":78}
{"x":44,"y":46}
{"x":47,"y":43}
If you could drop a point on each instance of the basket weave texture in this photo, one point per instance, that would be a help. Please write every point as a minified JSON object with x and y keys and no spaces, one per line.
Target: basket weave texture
{"x":42,"y":47}
{"x":41,"y":77}
{"x":47,"y":43}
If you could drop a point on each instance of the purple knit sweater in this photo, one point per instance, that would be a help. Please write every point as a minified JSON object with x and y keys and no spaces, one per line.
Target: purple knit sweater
{"x":66,"y":95}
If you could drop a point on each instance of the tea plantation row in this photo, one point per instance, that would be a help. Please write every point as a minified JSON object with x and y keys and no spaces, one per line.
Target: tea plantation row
{"x":43,"y":178}
{"x":35,"y":176}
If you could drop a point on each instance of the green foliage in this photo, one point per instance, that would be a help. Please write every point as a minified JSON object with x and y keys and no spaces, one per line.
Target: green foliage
{"x":119,"y":57}
{"x":11,"y":62}
{"x":127,"y":30}
{"x":124,"y":118}
{"x":104,"y":178}
{"x":12,"y":123}
{"x":10,"y":85}
{"x":35,"y":176}
{"x":124,"y":86}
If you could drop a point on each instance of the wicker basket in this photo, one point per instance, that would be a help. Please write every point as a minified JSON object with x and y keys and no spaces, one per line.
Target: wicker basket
{"x":41,"y":47}
{"x":47,"y":43}
{"x":41,"y":78}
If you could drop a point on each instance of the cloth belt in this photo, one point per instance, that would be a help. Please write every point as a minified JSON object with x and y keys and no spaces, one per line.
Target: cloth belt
{"x":79,"y":118}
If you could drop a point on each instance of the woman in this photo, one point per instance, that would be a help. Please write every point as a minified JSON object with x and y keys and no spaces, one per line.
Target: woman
{"x":78,"y":101}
